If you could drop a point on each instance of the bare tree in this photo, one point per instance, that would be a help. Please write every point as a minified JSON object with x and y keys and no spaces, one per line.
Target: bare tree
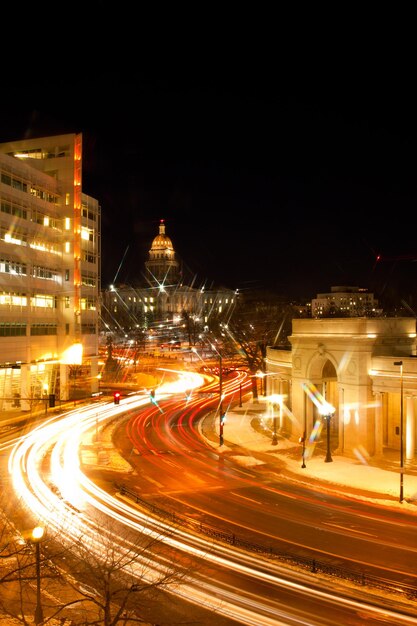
{"x":107,"y":576}
{"x":260,"y":321}
{"x":122,"y":573}
{"x":22,"y":569}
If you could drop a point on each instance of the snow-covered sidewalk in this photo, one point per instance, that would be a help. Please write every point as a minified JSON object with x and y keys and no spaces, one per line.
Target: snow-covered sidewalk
{"x":354,"y":473}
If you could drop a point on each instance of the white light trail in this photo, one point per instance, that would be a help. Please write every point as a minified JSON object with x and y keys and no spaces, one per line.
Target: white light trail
{"x":52,"y":494}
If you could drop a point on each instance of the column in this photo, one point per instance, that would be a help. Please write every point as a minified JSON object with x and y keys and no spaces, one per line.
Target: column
{"x":409,"y":428}
{"x":93,"y":374}
{"x":64,"y":383}
{"x":340,"y":413}
{"x":378,"y":427}
{"x":25,"y":391}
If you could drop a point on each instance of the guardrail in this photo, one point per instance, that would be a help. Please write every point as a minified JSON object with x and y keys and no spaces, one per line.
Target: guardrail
{"x":312,"y":564}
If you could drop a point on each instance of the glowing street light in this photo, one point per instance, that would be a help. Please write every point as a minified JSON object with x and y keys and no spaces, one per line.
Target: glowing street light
{"x":37,"y":534}
{"x":276,"y":399}
{"x":261,"y":375}
{"x":222,"y":417}
{"x":45,"y":396}
{"x":326,"y":411}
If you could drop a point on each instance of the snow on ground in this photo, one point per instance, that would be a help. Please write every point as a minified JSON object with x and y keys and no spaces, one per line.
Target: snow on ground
{"x":342,"y":471}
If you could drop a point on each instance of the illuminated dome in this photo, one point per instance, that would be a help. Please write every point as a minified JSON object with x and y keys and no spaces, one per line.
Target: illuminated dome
{"x":162,"y":242}
{"x":162,"y":265}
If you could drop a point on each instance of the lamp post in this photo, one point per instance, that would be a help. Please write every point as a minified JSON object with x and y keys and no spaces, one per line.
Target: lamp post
{"x":37,"y":534}
{"x":222,"y":417}
{"x":327,"y":411}
{"x":274,"y":434}
{"x":400,"y":363}
{"x":221,"y":397}
{"x":240,"y":394}
{"x":45,"y":396}
{"x":303,"y":441}
{"x":98,"y":379}
{"x":261,"y":375}
{"x":276,"y":399}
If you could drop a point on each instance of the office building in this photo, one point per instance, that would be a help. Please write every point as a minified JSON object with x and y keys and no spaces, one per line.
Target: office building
{"x":49,"y":272}
{"x":346,"y":301}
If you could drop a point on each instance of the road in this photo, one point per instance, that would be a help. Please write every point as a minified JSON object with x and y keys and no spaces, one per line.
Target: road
{"x":229,"y":584}
{"x":176,"y":470}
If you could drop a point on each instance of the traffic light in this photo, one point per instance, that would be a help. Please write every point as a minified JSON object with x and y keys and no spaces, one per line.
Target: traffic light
{"x":51,"y":399}
{"x":116,"y":397}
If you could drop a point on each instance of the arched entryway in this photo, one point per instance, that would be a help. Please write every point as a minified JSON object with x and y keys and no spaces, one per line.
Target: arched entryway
{"x":324,"y":380}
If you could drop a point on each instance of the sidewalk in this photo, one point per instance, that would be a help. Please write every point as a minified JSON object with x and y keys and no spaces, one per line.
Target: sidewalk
{"x":355,"y":477}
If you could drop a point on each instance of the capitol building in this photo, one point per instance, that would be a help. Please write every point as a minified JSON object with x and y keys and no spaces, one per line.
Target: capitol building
{"x":164,"y":295}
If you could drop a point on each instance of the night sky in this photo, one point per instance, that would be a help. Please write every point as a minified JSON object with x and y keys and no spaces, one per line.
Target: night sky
{"x":294,"y":181}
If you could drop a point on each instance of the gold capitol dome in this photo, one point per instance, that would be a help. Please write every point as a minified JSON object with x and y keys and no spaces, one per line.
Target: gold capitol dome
{"x":162,"y":265}
{"x":162,"y":242}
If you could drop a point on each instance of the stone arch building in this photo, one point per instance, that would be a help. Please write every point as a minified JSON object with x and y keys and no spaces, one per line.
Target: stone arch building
{"x":365,"y":368}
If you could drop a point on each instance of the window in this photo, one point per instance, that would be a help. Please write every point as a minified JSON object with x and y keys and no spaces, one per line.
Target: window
{"x":43,"y":329}
{"x":12,"y":330}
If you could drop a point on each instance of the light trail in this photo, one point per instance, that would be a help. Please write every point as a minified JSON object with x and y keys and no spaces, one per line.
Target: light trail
{"x":56,"y":444}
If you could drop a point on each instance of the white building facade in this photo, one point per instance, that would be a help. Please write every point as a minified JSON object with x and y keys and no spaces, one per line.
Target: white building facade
{"x":347,"y":300}
{"x":49,"y":270}
{"x":364,"y":368}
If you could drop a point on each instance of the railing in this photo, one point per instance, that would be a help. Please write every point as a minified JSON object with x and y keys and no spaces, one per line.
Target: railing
{"x":314,"y":565}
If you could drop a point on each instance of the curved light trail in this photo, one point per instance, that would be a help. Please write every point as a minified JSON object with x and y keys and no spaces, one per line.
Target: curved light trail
{"x":47,"y":475}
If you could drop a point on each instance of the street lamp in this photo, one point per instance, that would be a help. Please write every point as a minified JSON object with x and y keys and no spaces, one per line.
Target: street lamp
{"x":45,"y":396}
{"x":98,"y":379}
{"x":261,"y":375}
{"x":400,"y":363}
{"x":37,"y":534}
{"x":276,"y":399}
{"x":303,"y":441}
{"x":327,"y":410}
{"x":222,"y":417}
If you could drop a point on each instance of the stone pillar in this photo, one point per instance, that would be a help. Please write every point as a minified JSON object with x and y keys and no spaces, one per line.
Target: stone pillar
{"x":341,"y":422}
{"x":94,"y":374}
{"x":25,"y":391}
{"x":409,"y":428}
{"x":64,"y":381}
{"x":280,"y":405}
{"x":379,"y":429}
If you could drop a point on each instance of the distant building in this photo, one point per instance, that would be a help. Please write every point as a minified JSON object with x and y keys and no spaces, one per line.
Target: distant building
{"x":345,"y":301}
{"x":163,"y":296}
{"x":49,"y":269}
